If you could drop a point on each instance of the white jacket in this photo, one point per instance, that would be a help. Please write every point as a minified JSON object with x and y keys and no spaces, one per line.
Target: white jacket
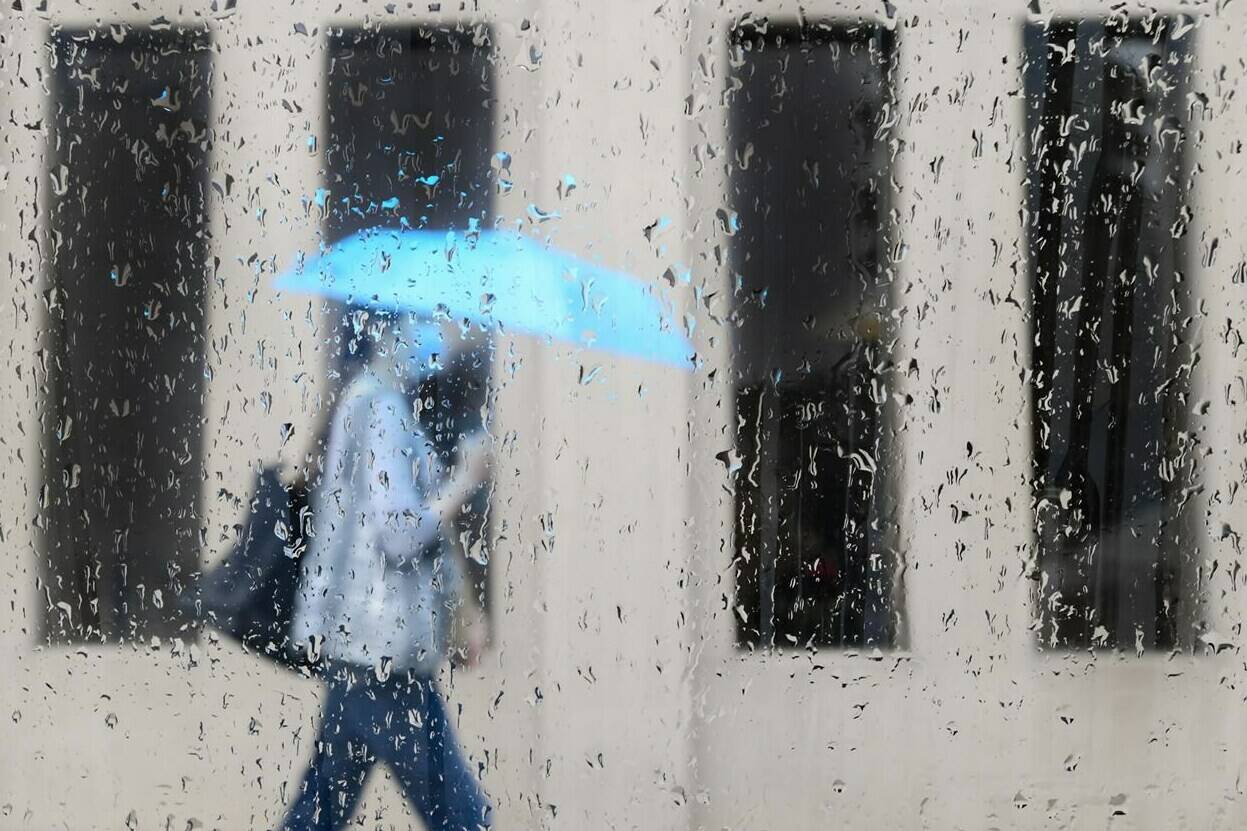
{"x":378,"y":583}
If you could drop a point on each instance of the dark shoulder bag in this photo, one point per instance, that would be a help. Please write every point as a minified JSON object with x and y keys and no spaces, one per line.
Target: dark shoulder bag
{"x":250,"y":595}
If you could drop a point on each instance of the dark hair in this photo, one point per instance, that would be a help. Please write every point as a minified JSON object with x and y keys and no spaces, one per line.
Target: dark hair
{"x":359,"y":338}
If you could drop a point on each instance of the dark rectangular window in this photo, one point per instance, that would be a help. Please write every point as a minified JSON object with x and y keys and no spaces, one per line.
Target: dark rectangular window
{"x":411,"y":129}
{"x":809,"y":165}
{"x":1106,"y":108}
{"x":410,"y":145}
{"x":130,"y":144}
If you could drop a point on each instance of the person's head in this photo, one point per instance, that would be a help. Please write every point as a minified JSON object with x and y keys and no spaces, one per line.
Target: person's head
{"x":404,"y":347}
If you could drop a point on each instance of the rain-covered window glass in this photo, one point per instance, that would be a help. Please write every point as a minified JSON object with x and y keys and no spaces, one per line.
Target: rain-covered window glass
{"x":1107,"y":109}
{"x":410,"y":147}
{"x":128,"y":157}
{"x":809,"y":110}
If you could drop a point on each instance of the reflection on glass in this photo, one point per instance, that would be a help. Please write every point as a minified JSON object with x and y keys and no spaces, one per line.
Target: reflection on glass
{"x":1106,"y":106}
{"x":130,"y":147}
{"x":809,"y":166}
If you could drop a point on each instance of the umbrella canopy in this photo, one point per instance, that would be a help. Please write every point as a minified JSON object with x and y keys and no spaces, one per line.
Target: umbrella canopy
{"x":496,"y":278}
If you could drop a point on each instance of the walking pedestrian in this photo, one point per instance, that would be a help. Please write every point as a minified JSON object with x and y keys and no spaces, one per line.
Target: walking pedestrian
{"x":381,"y":587}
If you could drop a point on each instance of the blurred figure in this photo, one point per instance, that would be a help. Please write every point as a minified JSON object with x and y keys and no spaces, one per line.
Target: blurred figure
{"x":380,"y":589}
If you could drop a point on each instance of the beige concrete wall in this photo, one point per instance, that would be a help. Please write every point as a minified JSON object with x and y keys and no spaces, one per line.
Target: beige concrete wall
{"x":613,"y":525}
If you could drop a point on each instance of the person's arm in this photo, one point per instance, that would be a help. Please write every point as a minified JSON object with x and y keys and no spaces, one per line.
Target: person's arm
{"x":469,"y":629}
{"x":470,"y":472}
{"x":472,"y":630}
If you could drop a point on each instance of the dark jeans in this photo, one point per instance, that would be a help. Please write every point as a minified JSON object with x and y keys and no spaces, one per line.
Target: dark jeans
{"x":401,"y":721}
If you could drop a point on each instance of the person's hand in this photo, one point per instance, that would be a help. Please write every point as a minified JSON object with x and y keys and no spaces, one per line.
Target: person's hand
{"x":474,"y":642}
{"x":471,"y":636}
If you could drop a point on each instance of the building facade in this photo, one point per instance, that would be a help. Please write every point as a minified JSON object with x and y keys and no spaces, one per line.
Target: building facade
{"x":886,"y":313}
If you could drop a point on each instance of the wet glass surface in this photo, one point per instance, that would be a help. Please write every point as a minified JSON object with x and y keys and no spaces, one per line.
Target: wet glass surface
{"x":584,"y":415}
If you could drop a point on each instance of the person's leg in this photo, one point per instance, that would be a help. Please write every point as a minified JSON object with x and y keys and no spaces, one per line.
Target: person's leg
{"x":334,"y":781}
{"x":430,"y":766}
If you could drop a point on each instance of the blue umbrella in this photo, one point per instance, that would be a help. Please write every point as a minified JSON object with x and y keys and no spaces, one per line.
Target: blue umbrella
{"x":496,"y":278}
